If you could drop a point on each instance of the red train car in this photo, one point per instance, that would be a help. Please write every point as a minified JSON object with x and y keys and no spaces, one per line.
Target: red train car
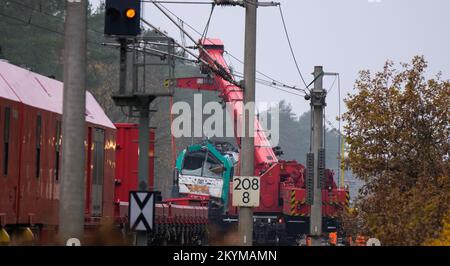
{"x":30,"y":155}
{"x":179,"y":221}
{"x":30,"y":148}
{"x":126,"y":171}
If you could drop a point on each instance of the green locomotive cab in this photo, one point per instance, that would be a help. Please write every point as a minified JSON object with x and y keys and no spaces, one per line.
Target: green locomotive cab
{"x":205,"y":170}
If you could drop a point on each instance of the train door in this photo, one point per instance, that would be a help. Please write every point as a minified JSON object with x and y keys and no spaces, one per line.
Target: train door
{"x":98,"y":171}
{"x":9,"y":161}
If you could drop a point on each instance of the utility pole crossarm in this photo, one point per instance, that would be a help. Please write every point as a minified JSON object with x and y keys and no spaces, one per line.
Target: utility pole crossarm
{"x":244,"y":3}
{"x":268,"y":4}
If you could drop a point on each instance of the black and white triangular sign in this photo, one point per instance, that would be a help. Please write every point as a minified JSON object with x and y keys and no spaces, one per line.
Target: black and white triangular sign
{"x":141,"y":213}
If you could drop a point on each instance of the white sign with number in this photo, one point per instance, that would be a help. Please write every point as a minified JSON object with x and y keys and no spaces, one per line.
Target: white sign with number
{"x":246,"y":191}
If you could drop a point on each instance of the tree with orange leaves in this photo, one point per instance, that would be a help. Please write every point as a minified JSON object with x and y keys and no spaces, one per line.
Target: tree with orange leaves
{"x":397,"y":129}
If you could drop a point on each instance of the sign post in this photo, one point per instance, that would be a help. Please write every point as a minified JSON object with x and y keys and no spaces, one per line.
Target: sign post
{"x":246,"y":191}
{"x":142,"y":211}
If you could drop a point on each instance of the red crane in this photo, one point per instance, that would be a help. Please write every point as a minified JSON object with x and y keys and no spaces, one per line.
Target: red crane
{"x":283,"y":190}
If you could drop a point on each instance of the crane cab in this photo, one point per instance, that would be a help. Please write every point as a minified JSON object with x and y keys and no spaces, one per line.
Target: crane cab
{"x":205,"y":170}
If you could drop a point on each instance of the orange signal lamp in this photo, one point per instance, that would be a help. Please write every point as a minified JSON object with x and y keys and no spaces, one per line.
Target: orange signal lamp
{"x":130,"y":13}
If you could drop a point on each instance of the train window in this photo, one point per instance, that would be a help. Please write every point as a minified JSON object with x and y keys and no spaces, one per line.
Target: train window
{"x":57,"y":148}
{"x":6,"y":131}
{"x":193,"y":163}
{"x":98,"y":170}
{"x":38,"y":144}
{"x":213,"y":167}
{"x":202,"y":163}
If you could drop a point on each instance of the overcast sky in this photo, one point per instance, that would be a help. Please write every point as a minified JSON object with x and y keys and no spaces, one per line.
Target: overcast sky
{"x":343,"y":36}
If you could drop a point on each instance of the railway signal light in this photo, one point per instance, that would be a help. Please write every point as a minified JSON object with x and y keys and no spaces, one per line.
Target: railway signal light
{"x":130,"y":13}
{"x":122,"y":17}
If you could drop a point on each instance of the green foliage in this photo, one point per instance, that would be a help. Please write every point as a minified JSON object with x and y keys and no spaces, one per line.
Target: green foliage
{"x":444,"y":237}
{"x":30,"y":37}
{"x":398,"y":133}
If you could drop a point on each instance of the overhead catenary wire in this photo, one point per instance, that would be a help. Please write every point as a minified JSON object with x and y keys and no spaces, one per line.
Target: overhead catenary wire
{"x":270,"y":84}
{"x":179,"y":2}
{"x":32,"y":9}
{"x":332,"y":85}
{"x":217,"y":68}
{"x":176,"y":24}
{"x":290,"y":47}
{"x":151,"y":1}
{"x":212,"y":2}
{"x":205,"y":31}
{"x":280,"y":89}
{"x":273,"y":83}
{"x":220,"y":72}
{"x":167,"y":36}
{"x":29,"y":23}
{"x":227,"y":52}
{"x":152,"y":51}
{"x":180,"y":19}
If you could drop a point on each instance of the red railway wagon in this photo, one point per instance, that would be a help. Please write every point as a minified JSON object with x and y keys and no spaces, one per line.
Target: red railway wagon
{"x":177,"y":221}
{"x":126,"y":171}
{"x":30,"y":148}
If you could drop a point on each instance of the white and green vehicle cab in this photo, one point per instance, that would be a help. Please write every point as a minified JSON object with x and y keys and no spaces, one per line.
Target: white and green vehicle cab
{"x":204,"y":170}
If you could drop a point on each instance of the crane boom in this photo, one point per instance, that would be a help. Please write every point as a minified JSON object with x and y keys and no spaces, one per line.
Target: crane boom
{"x":233,"y":96}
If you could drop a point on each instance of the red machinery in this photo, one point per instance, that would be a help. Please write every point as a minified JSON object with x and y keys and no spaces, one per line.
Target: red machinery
{"x":30,"y":147}
{"x":283,"y":189}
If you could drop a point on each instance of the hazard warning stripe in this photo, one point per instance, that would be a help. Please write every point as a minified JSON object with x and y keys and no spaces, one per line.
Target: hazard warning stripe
{"x":293,"y":203}
{"x":347,"y":200}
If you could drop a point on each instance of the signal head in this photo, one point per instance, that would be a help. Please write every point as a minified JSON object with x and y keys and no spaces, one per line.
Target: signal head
{"x":130,"y":13}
